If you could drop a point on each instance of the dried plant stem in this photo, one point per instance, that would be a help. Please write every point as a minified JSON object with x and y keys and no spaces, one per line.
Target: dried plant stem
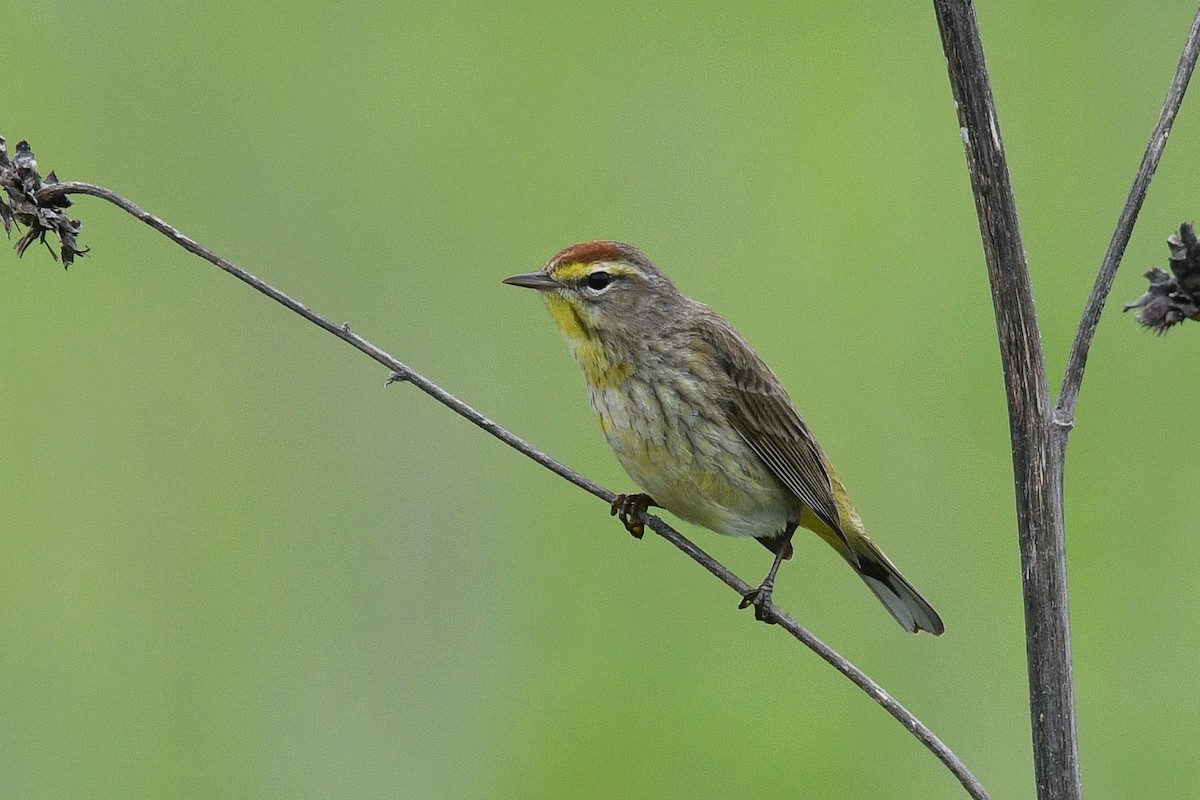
{"x":1037,"y":465}
{"x":1039,"y":431}
{"x":402,"y":372}
{"x":1068,"y":396}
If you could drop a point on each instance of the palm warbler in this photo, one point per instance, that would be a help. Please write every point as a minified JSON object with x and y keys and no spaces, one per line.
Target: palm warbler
{"x":701,"y":423}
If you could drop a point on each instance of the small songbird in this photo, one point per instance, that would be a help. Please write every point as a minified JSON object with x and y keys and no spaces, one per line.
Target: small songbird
{"x":701,"y":424}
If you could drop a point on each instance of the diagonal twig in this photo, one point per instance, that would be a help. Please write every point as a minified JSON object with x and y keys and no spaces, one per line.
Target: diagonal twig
{"x":1068,"y":396}
{"x":401,"y":372}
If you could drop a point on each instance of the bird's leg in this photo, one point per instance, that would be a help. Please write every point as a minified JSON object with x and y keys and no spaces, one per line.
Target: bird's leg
{"x":760,"y":597}
{"x":630,"y":509}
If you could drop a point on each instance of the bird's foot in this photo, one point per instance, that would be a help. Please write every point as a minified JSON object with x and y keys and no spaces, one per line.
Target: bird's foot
{"x":631,"y":510}
{"x":760,"y":598}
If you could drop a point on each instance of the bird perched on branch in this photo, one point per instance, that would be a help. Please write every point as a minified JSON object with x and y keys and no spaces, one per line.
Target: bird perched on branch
{"x":701,"y":424}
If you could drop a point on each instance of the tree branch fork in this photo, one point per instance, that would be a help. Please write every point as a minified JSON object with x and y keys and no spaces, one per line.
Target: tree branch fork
{"x":1039,"y":430}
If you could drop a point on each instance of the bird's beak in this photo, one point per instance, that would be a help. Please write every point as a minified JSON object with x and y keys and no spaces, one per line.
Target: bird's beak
{"x":533,"y":280}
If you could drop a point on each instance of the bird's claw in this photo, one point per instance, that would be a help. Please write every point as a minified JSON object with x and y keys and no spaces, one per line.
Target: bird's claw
{"x":631,"y":510}
{"x":760,"y":598}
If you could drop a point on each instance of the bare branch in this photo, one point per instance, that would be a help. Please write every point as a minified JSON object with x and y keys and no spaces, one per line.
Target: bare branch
{"x":401,"y":372}
{"x":1068,"y":396}
{"x":1037,"y":462}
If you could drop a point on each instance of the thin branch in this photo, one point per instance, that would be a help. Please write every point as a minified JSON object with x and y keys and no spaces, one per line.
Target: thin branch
{"x":402,"y":372}
{"x":1068,"y":396}
{"x":1037,"y":462}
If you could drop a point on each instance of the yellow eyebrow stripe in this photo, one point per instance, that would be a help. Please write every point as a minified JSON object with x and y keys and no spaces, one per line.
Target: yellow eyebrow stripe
{"x":579,"y":270}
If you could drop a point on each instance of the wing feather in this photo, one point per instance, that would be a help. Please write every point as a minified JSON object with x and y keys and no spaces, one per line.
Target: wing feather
{"x":761,"y":411}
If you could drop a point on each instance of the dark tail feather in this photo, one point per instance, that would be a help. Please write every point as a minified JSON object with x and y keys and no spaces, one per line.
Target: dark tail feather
{"x":905,"y":603}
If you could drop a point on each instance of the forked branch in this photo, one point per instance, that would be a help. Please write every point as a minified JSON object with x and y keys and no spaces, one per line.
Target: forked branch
{"x":1039,"y":433}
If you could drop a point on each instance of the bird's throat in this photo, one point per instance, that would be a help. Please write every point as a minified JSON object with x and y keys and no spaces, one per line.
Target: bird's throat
{"x":600,"y":368}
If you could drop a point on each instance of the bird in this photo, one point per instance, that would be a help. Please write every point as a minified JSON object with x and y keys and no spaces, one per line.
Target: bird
{"x":701,"y":424}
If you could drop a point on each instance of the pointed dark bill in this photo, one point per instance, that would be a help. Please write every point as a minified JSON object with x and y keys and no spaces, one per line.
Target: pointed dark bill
{"x":532,"y":280}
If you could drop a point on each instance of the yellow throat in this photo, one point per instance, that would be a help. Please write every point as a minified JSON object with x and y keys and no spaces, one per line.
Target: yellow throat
{"x":599,"y":370}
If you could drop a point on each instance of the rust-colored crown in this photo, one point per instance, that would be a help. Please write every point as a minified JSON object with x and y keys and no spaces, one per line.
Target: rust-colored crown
{"x":587,"y":252}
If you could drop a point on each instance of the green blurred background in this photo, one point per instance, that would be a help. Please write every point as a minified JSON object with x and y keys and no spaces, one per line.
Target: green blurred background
{"x":234,"y":565}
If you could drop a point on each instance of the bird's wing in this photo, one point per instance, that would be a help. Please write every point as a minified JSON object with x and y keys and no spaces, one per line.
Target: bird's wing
{"x":760,"y":409}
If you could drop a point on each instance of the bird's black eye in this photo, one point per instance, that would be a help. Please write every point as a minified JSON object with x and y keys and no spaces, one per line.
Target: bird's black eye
{"x":599,"y":280}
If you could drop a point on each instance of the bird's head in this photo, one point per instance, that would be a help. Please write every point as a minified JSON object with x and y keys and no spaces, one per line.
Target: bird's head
{"x":602,"y":290}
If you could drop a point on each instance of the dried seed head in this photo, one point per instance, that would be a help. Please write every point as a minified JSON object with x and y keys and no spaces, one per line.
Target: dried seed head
{"x":1173,"y":297}
{"x":21,"y":183}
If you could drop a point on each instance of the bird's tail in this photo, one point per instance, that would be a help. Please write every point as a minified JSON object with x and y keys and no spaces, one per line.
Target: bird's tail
{"x":898,"y":596}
